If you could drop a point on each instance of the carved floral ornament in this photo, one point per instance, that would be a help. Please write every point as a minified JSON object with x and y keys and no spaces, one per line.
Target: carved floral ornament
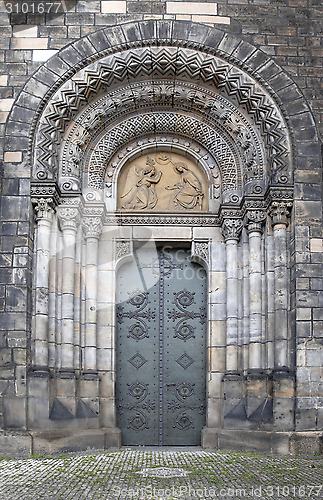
{"x":92,"y":227}
{"x":279,"y":212}
{"x":255,"y":220}
{"x":236,"y":88}
{"x":231,"y":229}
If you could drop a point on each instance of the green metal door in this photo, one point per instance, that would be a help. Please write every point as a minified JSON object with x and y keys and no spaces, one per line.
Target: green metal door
{"x":161,"y":323}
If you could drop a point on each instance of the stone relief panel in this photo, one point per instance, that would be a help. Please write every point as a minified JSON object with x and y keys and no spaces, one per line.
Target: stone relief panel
{"x":163,"y":182}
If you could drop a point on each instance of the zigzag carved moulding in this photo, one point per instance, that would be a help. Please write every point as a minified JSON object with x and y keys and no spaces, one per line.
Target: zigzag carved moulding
{"x":163,"y":122}
{"x":142,"y":96}
{"x":166,"y":62}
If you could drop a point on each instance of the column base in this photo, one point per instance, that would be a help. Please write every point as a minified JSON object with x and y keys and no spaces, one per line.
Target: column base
{"x":51,"y":442}
{"x":259,"y":404}
{"x":277,"y":443}
{"x":283,"y":399}
{"x":23,"y":444}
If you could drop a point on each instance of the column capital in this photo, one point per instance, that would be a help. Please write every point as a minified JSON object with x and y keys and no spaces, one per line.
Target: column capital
{"x":255,"y":220}
{"x":69,"y":217}
{"x":231,"y":229}
{"x":43,"y":208}
{"x":92,"y":226}
{"x":279,"y":212}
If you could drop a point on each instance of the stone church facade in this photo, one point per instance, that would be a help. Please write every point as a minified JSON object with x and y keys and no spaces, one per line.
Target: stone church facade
{"x":161,"y":208}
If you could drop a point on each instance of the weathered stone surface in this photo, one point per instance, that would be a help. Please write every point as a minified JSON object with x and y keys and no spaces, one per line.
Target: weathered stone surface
{"x":277,"y":298}
{"x":61,"y":441}
{"x":15,"y":444}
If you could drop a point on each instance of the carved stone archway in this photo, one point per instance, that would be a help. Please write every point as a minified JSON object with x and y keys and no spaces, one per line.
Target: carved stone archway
{"x":139,"y":88}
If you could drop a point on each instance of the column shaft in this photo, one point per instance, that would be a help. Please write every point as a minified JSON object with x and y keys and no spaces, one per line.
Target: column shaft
{"x":44,"y":223}
{"x":270,"y":275}
{"x":281,"y":296}
{"x":255,"y":300}
{"x":245,"y":298}
{"x":92,"y":227}
{"x":52,"y":295}
{"x":232,"y":305}
{"x":231,"y":230}
{"x":69,"y":218}
{"x":279,"y":212}
{"x":67,"y":349}
{"x":77,"y":301}
{"x":91,"y":278}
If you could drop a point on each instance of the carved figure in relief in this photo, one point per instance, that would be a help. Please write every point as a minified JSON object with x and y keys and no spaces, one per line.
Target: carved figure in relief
{"x":140,"y":192}
{"x":189,"y":193}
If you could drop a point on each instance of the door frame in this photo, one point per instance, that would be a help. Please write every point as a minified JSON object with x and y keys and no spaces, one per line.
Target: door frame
{"x":174,"y":236}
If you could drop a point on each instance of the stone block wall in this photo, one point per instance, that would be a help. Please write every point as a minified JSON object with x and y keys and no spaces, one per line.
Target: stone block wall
{"x":290,"y":32}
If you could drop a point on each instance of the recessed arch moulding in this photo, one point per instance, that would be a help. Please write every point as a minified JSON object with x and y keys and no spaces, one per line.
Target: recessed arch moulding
{"x":140,"y":115}
{"x":117,"y":105}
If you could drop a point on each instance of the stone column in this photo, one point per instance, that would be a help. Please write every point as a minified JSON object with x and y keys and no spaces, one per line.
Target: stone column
{"x":231,"y":230}
{"x":232,"y":380}
{"x":245,"y":298}
{"x":92,"y":227}
{"x":44,"y":216}
{"x":255,"y":221}
{"x":257,"y":378}
{"x":52,"y":295}
{"x":283,"y":374}
{"x":279,"y":212}
{"x":69,"y":219}
{"x":270,"y":281}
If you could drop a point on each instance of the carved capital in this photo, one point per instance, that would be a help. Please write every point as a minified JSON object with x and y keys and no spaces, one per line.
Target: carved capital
{"x":92,"y":227}
{"x":231,"y":229}
{"x":43,"y":208}
{"x":279,"y":212}
{"x":255,"y":220}
{"x":69,"y":217}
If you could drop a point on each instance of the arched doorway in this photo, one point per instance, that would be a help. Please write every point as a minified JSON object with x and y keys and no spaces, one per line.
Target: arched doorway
{"x":118,"y":106}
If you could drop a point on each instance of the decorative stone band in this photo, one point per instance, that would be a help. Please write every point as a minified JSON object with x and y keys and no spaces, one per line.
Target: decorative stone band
{"x":279,"y":212}
{"x":126,"y":66}
{"x":231,"y":229}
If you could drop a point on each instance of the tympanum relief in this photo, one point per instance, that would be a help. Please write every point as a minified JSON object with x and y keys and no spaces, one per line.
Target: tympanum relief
{"x":162,"y":182}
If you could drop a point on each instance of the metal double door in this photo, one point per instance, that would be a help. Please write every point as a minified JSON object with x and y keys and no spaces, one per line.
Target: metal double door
{"x":160,"y":355}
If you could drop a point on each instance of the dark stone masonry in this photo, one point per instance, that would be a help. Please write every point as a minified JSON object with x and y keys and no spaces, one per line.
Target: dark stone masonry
{"x":128,"y":128}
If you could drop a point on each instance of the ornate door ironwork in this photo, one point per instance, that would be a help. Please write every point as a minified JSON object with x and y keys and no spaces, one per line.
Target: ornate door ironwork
{"x":161,"y":332}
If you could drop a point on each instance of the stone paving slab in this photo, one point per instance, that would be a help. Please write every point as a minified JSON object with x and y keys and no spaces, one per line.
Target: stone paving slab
{"x":149,"y":473}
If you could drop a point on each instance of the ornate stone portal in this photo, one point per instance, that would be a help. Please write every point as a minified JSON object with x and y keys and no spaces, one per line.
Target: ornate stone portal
{"x":172,"y":144}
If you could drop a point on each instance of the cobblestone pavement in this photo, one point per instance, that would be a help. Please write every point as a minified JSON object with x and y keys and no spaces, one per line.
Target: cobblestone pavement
{"x":172,"y":473}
